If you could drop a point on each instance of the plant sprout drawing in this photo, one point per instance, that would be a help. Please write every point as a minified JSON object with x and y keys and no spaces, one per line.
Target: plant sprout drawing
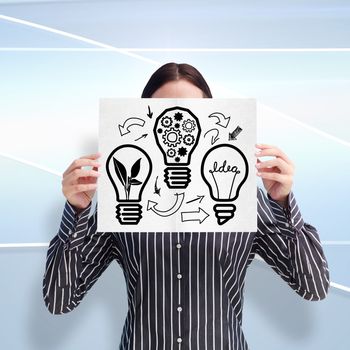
{"x":123,"y":176}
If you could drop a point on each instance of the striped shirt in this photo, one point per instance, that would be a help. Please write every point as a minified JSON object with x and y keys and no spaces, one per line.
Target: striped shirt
{"x":184,"y":289}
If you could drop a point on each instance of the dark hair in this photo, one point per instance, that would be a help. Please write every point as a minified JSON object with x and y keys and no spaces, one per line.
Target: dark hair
{"x":175,"y":71}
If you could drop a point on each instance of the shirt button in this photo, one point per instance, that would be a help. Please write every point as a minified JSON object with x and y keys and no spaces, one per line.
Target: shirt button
{"x":74,"y":235}
{"x":178,"y":246}
{"x":179,"y":276}
{"x":287,"y":225}
{"x":179,"y":308}
{"x":179,"y":340}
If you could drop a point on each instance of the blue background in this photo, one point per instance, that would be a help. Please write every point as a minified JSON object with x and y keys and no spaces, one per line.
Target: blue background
{"x":50,"y":85}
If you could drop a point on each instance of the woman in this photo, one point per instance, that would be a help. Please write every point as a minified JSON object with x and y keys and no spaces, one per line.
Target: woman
{"x":184,"y":289}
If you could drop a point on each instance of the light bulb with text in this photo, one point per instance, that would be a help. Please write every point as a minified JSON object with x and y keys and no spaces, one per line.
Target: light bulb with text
{"x":224,"y":169}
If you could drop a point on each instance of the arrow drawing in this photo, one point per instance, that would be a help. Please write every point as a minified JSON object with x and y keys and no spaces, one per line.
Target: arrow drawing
{"x":179,"y":199}
{"x":199,"y":215}
{"x":223,"y":121}
{"x":124,"y":129}
{"x":232,"y":135}
{"x":214,"y":138}
{"x":200,"y":198}
{"x":144,"y":135}
{"x":149,"y":114}
{"x":156,"y":189}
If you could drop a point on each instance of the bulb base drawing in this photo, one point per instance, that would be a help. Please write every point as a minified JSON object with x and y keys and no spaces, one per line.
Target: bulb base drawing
{"x":177,"y":176}
{"x":224,"y":212}
{"x":129,"y":213}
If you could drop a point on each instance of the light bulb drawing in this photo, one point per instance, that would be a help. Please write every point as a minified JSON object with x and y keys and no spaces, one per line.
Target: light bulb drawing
{"x":128,"y":168}
{"x":177,"y":131}
{"x":224,"y":169}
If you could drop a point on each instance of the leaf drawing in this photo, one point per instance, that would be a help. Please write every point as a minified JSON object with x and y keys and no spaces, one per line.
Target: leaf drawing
{"x":135,"y":182}
{"x":123,"y":176}
{"x":120,"y":170}
{"x":135,"y":168}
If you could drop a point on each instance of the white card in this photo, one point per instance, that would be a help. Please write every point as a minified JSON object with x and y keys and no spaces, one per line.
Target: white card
{"x":177,"y":165}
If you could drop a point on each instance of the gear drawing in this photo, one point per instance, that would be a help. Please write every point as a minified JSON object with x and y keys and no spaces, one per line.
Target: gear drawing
{"x":172,"y":137}
{"x":178,"y":116}
{"x":166,"y":121}
{"x":188,"y":125}
{"x":182,"y":151}
{"x":171,"y":152}
{"x":188,"y":139}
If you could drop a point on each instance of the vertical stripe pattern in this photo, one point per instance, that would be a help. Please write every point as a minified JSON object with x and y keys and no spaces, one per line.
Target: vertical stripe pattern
{"x":184,"y":289}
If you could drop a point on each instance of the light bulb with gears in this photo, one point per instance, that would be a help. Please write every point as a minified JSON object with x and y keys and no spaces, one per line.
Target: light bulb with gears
{"x":177,"y":131}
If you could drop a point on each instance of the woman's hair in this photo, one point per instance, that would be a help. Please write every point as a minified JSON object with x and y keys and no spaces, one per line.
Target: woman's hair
{"x":172,"y":72}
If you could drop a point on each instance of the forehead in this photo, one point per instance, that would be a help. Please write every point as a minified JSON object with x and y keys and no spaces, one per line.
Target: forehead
{"x":178,"y":89}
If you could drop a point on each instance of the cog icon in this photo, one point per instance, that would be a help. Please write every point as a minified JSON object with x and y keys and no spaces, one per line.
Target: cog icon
{"x":189,"y":139}
{"x":166,"y":121}
{"x":171,"y":152}
{"x":172,"y":137}
{"x":182,"y":151}
{"x":188,"y":125}
{"x":178,"y":116}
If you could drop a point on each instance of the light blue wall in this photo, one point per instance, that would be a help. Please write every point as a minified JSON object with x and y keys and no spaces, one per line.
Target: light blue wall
{"x":49,"y":114}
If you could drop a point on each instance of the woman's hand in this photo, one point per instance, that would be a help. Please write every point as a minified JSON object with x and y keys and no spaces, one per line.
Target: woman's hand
{"x":277,"y":174}
{"x":79,"y":185}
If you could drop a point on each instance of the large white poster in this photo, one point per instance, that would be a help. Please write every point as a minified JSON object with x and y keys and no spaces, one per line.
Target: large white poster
{"x":177,"y":165}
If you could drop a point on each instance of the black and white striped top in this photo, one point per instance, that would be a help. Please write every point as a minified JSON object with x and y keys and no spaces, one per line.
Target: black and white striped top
{"x":184,"y":289}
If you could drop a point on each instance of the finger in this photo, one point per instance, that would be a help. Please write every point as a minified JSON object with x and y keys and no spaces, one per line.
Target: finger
{"x":274,"y":152}
{"x":264,"y":145}
{"x":284,"y":179}
{"x":268,"y":165}
{"x":77,"y":188}
{"x":74,"y":176}
{"x":80,"y":162}
{"x":92,"y":156}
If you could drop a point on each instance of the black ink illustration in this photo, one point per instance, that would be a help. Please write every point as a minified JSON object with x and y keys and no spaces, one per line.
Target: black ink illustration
{"x":232,"y":135}
{"x":200,"y":198}
{"x":222,"y":120}
{"x":124,"y":129}
{"x":199,"y":215}
{"x":177,"y":131}
{"x":149,"y":114}
{"x":128,"y":168}
{"x":215,"y":137}
{"x":177,"y":205}
{"x":224,"y":169}
{"x":141,"y":137}
{"x":156,"y":189}
{"x":123,"y":176}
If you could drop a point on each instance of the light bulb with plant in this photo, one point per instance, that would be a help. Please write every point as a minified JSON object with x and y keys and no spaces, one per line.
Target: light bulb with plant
{"x":123,"y":176}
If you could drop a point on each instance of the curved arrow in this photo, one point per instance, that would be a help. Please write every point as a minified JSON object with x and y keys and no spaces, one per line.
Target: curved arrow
{"x":223,"y":121}
{"x":179,"y":199}
{"x":199,"y":215}
{"x":215,"y":137}
{"x":124,"y":129}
